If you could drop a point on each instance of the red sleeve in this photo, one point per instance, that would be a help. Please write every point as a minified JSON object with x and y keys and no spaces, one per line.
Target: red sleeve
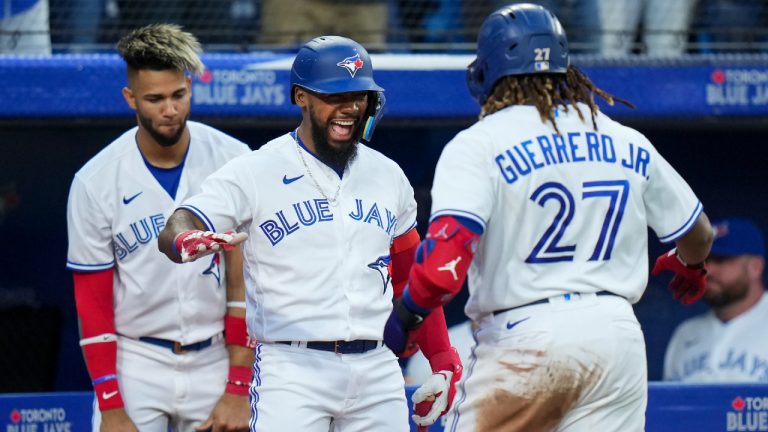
{"x":94,"y":302}
{"x":402,"y":253}
{"x":94,"y":299}
{"x":433,"y":337}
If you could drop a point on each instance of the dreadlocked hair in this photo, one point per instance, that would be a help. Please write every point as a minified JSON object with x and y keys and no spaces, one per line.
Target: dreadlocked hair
{"x":547,"y":92}
{"x":161,"y":47}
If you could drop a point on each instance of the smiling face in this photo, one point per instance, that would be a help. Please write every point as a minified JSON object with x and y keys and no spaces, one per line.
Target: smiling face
{"x":335,"y":122}
{"x":162,"y":102}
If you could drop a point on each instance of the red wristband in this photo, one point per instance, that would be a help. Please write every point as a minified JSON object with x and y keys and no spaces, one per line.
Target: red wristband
{"x":236,"y":333}
{"x":239,"y":380}
{"x":108,"y":394}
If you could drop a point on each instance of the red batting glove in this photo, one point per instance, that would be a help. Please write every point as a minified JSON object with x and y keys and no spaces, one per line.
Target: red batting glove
{"x":421,"y":409}
{"x":431,"y":399}
{"x":194,"y":244}
{"x":689,"y":281}
{"x":435,"y":397}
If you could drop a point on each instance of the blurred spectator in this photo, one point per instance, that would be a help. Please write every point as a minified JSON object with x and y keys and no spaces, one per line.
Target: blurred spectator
{"x":731,"y":25}
{"x":665,"y":26}
{"x":85,"y":19}
{"x":727,"y":344}
{"x":24,"y":27}
{"x":295,"y":22}
{"x":213,"y":21}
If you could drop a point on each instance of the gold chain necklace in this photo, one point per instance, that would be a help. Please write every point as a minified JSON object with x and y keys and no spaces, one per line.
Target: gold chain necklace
{"x":333,"y":201}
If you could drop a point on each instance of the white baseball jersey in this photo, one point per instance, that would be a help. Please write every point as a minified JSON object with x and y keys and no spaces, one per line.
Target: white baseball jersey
{"x":704,"y":349}
{"x":314,"y":271}
{"x":560,"y":213}
{"x":115,"y":212}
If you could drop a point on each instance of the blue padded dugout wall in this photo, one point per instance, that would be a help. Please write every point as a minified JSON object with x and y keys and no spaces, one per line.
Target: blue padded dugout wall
{"x":671,"y":408}
{"x":418,"y":87}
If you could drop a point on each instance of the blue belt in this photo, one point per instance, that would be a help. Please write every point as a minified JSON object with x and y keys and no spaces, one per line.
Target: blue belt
{"x":339,"y":347}
{"x":546,"y":300}
{"x":177,"y":347}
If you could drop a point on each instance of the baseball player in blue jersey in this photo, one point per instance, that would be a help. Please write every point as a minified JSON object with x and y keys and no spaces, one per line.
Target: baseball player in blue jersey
{"x":544,"y":203}
{"x":728,"y":343}
{"x":156,"y":336}
{"x":330,"y":229}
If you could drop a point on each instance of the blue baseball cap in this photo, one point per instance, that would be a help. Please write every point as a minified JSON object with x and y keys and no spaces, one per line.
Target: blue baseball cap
{"x":737,"y":236}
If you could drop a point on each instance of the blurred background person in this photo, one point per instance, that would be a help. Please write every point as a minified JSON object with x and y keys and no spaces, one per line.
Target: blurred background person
{"x":24,"y":27}
{"x":731,"y":25}
{"x":728,"y":343}
{"x":665,"y":26}
{"x":291,"y":23}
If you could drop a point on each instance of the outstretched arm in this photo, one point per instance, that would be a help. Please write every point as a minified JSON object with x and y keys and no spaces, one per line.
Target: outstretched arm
{"x":183,"y":239}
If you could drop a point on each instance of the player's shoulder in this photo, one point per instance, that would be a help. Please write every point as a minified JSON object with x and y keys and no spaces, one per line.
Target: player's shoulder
{"x":375,"y":162}
{"x":606,"y":124}
{"x":473,"y":143}
{"x":108,"y":158}
{"x":695,"y":325}
{"x":216,"y":139}
{"x":271,"y":155}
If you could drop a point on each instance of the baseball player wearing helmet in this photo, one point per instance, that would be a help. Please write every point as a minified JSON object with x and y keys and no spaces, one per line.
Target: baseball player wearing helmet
{"x":728,"y":343}
{"x":152,"y":331}
{"x":545,"y":203}
{"x":325,"y":218}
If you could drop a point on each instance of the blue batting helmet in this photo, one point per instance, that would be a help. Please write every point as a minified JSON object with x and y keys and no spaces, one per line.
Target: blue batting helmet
{"x":516,"y":40}
{"x":335,"y":64}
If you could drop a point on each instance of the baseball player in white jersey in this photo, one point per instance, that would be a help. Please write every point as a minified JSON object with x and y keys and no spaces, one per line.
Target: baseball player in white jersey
{"x":545,"y":203}
{"x":325,"y":217}
{"x":727,"y":344}
{"x":152,"y":332}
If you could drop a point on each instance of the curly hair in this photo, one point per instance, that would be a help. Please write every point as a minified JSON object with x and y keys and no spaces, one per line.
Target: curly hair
{"x":161,"y":47}
{"x":547,"y":92}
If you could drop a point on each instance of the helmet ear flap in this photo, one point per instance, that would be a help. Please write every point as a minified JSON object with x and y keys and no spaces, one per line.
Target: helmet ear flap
{"x":376,"y":102}
{"x":475,"y":81}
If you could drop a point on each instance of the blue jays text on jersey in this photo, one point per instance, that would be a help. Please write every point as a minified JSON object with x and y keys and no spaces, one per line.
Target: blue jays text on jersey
{"x":545,"y":150}
{"x":743,"y":362}
{"x":310,"y":212}
{"x":142,"y":232}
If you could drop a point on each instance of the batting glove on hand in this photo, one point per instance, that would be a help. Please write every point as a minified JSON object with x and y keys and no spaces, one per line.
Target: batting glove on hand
{"x":431,"y":399}
{"x":194,"y":244}
{"x":689,"y":281}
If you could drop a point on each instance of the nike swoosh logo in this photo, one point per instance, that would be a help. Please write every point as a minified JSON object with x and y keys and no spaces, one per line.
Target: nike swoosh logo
{"x":287,"y":180}
{"x":128,"y":200}
{"x":512,"y":324}
{"x":105,"y":395}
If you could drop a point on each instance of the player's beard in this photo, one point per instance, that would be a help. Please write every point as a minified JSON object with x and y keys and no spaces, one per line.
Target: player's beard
{"x":162,"y":139}
{"x":728,"y":293}
{"x":336,"y":158}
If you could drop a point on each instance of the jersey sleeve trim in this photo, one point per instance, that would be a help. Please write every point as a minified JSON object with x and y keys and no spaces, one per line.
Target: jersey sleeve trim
{"x":197,"y":212}
{"x":457,"y":212}
{"x":89,"y":267}
{"x":686,"y":227}
{"x":413,"y":225}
